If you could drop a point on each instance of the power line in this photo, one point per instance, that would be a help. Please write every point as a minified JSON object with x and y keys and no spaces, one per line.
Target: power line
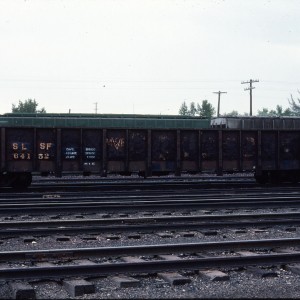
{"x":219,"y":93}
{"x":96,"y":107}
{"x":250,"y":88}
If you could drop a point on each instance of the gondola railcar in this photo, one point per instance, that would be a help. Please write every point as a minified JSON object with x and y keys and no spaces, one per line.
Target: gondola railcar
{"x":61,"y":144}
{"x":147,"y":145}
{"x":277,"y":142}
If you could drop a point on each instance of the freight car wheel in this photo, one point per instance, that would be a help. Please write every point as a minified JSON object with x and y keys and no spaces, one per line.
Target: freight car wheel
{"x":22,"y":180}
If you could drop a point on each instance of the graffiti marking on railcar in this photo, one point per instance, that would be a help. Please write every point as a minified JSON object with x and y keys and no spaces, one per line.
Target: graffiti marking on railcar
{"x":116,"y":142}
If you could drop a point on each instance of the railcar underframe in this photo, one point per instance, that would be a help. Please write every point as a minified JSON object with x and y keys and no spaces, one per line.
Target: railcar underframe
{"x":272,"y":155}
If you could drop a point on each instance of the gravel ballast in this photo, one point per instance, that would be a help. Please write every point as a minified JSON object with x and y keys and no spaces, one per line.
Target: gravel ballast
{"x":242,"y":283}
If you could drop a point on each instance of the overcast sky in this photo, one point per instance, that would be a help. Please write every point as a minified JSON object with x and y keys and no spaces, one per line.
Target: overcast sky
{"x":148,"y":56}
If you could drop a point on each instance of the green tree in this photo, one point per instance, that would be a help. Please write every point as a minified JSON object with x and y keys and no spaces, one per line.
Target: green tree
{"x":263,"y":113}
{"x":183,"y":110}
{"x":193,"y":109}
{"x":27,"y":106}
{"x":278,"y":112}
{"x":206,"y":110}
{"x":233,"y":113}
{"x":295,"y":107}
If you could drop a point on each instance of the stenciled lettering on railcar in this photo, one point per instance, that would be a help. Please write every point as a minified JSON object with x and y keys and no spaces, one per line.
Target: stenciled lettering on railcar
{"x":70,"y":153}
{"x":21,"y":150}
{"x":90,"y":153}
{"x":46,"y":151}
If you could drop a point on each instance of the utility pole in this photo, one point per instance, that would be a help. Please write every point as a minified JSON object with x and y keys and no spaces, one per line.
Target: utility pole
{"x":250,"y":88}
{"x":219,"y":93}
{"x":96,"y":107}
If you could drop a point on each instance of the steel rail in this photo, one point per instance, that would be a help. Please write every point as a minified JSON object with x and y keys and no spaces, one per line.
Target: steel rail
{"x":267,"y":191}
{"x":75,"y":253}
{"x":148,"y":185}
{"x":145,"y":227}
{"x":140,"y":196}
{"x":55,"y":206}
{"x":281,"y":217}
{"x":148,"y":266}
{"x":145,"y":267}
{"x":37,"y":178}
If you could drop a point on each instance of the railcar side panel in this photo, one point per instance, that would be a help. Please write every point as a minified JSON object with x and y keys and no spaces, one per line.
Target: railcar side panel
{"x":163,"y":150}
{"x":230,"y":151}
{"x":2,"y":147}
{"x":249,"y":150}
{"x":116,"y":150}
{"x":189,"y":149}
{"x":290,"y":123}
{"x":273,"y":152}
{"x":209,"y":150}
{"x":268,"y":124}
{"x":71,"y":150}
{"x":19,"y":149}
{"x":289,"y":146}
{"x":269,"y":151}
{"x":45,"y":150}
{"x":92,"y":151}
{"x":137,"y":144}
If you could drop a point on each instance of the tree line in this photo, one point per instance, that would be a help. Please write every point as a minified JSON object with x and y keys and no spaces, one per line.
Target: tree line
{"x":206,"y":110}
{"x":27,"y":106}
{"x":202,"y":110}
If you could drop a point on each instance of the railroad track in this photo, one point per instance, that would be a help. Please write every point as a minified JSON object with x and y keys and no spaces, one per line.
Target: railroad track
{"x":147,"y":224}
{"x":105,"y":203}
{"x":146,"y":185}
{"x":160,"y":188}
{"x":132,"y":260}
{"x":146,"y":216}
